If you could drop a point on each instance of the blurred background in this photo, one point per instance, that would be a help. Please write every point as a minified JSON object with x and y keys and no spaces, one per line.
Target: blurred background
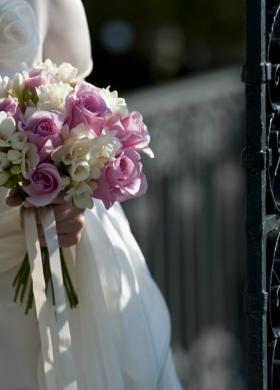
{"x":179,"y":62}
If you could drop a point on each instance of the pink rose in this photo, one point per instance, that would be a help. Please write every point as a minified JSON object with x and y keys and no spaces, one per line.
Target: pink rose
{"x":121,"y":179}
{"x":11,"y":107}
{"x":43,"y":129}
{"x":44,"y":185}
{"x":36,"y":77}
{"x":85,"y":105}
{"x":131,"y":131}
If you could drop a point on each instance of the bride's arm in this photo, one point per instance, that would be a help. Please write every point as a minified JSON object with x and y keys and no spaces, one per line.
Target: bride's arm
{"x":69,"y":220}
{"x":67,"y":38}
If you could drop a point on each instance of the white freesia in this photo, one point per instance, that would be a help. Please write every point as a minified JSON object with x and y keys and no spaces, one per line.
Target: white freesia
{"x":106,"y":145}
{"x":18,"y":84}
{"x":52,"y":96}
{"x":73,"y":150}
{"x":47,"y":65}
{"x":19,"y":34}
{"x":115,"y":103}
{"x":66,"y":72}
{"x":86,"y":156}
{"x":81,"y":196}
{"x":5,"y":86}
{"x":30,"y":159}
{"x":4,"y":177}
{"x":95,"y":168}
{"x":14,"y":156}
{"x":103,"y":149}
{"x":4,"y":163}
{"x":7,"y":128}
{"x":18,"y":140}
{"x":65,"y":182}
{"x":79,"y":170}
{"x":80,"y":131}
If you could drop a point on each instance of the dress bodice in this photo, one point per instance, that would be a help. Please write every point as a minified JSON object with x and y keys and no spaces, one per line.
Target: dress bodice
{"x":31,"y":30}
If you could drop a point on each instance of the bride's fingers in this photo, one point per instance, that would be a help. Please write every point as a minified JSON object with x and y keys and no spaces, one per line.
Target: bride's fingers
{"x":64,"y":240}
{"x":14,"y":199}
{"x":60,"y":200}
{"x":67,"y":222}
{"x":71,"y":225}
{"x":66,"y":211}
{"x":67,"y":240}
{"x":64,"y":214}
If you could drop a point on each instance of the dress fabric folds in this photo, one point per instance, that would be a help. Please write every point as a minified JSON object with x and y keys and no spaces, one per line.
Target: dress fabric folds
{"x":121,"y":328}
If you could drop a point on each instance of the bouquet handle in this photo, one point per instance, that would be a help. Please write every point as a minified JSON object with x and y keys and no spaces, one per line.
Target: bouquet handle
{"x":54,"y":330}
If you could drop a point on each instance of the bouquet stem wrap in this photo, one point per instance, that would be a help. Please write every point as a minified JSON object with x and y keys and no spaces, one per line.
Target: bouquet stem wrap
{"x":54,"y":329}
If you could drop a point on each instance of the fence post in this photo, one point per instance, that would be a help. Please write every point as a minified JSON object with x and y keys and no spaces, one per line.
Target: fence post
{"x":261,"y":159}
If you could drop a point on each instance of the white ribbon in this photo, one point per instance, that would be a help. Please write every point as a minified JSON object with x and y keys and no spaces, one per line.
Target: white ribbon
{"x":54,"y":356}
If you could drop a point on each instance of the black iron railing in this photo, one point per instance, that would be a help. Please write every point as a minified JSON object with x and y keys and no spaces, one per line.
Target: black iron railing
{"x":262,"y":161}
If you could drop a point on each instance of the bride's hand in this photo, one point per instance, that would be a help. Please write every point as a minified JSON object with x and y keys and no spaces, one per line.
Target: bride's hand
{"x":69,"y":219}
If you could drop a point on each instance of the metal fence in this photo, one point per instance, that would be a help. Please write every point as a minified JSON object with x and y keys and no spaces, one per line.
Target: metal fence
{"x":261,"y":159}
{"x":190,"y":224}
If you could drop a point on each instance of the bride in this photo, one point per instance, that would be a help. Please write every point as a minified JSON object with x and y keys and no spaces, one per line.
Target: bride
{"x":121,"y":328}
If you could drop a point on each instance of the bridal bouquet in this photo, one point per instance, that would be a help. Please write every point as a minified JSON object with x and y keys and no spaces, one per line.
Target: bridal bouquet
{"x":59,"y":135}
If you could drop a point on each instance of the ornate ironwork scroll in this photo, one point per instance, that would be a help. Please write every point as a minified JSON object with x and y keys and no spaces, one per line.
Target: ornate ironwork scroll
{"x":262,"y":161}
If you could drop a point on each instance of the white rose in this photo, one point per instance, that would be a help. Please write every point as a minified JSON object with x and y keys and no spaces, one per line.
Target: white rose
{"x":81,"y":196}
{"x":29,"y":159}
{"x":105,"y":146}
{"x":52,"y":96}
{"x":66,"y":72}
{"x":112,"y":101}
{"x":79,"y":170}
{"x":19,"y":34}
{"x":47,"y":65}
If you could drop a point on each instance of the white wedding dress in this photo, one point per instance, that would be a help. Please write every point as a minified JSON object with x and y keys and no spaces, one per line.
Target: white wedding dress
{"x":121,"y":328}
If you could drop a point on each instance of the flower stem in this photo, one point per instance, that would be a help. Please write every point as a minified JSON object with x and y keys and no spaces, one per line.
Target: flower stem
{"x":26,"y":276}
{"x":30,"y":298}
{"x":22,"y":279}
{"x":72,"y":293}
